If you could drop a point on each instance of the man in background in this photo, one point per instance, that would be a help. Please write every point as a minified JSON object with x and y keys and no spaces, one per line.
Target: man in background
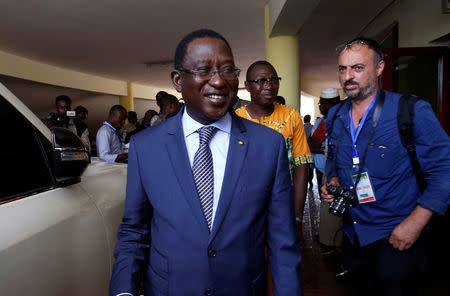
{"x":169,"y":107}
{"x":109,"y":141}
{"x":64,"y":117}
{"x":262,"y":82}
{"x":81,"y":127}
{"x":330,"y":234}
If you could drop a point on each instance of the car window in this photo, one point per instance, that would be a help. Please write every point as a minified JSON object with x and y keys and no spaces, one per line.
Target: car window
{"x":24,"y":165}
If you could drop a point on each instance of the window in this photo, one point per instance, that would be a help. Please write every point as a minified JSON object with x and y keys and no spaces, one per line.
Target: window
{"x":24,"y":165}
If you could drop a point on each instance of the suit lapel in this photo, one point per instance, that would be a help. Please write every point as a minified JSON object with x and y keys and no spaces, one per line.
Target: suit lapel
{"x":237,"y":152}
{"x":176,"y":148}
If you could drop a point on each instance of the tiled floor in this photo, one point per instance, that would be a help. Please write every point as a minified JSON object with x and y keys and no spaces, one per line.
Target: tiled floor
{"x":319,"y":270}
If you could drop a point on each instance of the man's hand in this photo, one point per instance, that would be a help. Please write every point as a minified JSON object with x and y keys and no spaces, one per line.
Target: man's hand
{"x":407,"y":232}
{"x":324,"y":193}
{"x":299,"y":225}
{"x":121,"y":157}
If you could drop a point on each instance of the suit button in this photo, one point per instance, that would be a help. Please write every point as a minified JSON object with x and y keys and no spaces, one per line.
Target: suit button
{"x":212,"y":253}
{"x":208,"y":292}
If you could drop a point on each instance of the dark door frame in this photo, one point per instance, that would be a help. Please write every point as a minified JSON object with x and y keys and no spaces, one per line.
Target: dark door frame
{"x":444,"y":76}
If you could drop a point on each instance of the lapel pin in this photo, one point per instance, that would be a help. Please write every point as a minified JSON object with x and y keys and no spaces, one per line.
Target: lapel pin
{"x":240,"y":143}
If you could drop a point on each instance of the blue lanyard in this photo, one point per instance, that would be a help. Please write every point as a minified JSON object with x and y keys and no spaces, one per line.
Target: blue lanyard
{"x":358,"y":130}
{"x":115,"y":131}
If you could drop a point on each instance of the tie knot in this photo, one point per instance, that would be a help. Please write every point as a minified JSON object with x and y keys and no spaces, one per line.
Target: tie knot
{"x":206,"y":133}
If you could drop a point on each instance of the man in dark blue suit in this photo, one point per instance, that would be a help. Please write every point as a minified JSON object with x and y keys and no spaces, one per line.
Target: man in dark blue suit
{"x":206,"y":192}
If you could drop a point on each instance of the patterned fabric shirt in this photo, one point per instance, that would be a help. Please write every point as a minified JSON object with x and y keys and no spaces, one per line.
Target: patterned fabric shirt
{"x":289,"y":123}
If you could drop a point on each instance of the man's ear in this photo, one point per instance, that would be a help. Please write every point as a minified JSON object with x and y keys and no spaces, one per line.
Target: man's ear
{"x":176,"y":80}
{"x":380,"y":68}
{"x":246,"y":86}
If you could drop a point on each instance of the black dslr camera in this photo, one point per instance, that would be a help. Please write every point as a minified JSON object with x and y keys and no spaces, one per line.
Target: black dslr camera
{"x":343,"y":198}
{"x":60,"y":120}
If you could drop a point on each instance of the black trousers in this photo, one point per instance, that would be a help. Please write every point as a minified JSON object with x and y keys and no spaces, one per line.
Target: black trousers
{"x":379,"y":269}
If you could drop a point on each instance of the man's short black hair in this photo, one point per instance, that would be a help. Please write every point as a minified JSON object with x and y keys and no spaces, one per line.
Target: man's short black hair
{"x":170,"y":99}
{"x":63,"y":98}
{"x":257,"y":63}
{"x":180,"y":52}
{"x":280,"y":100}
{"x":131,"y":115}
{"x":118,"y":108}
{"x":372,"y":44}
{"x":161,"y":96}
{"x":80,"y":109}
{"x":307,"y":118}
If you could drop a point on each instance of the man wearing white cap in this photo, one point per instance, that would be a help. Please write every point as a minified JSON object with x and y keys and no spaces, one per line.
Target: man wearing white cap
{"x":329,"y":224}
{"x":328,"y":98}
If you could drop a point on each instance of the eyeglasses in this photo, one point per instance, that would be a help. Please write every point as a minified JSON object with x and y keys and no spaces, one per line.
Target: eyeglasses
{"x":227,"y":73}
{"x":355,"y":45}
{"x":263,"y":81}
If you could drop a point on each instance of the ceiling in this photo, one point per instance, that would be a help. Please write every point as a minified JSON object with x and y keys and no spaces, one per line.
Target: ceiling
{"x":119,"y":39}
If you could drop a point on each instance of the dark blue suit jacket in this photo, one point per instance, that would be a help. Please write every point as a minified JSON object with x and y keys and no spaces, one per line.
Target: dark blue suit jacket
{"x":164,"y":240}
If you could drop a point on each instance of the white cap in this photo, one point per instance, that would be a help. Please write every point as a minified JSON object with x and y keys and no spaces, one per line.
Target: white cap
{"x":329,"y":93}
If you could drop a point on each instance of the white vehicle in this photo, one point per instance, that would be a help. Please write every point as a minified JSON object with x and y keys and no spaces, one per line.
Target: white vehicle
{"x":59,"y":213}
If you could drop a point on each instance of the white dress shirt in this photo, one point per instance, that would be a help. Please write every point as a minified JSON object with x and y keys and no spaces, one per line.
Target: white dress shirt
{"x":109,"y":144}
{"x":218,"y":145}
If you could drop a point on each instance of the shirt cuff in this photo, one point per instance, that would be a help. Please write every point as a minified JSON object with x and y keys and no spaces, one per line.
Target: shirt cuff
{"x":124,"y":294}
{"x":303,"y":159}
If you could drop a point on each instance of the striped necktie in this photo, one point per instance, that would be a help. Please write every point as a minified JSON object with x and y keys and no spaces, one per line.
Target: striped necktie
{"x":203,"y":172}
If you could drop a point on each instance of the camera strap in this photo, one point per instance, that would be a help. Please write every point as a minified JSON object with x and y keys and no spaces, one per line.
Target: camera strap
{"x":376,"y":117}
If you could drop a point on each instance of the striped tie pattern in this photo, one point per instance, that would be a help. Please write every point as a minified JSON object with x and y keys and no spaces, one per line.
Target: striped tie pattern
{"x":203,"y":172}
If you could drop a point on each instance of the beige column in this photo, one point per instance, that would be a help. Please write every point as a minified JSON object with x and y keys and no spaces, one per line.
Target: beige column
{"x":128,"y":100}
{"x":283,"y":52}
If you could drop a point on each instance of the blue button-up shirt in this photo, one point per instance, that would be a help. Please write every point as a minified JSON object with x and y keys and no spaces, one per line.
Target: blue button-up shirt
{"x":389,"y":168}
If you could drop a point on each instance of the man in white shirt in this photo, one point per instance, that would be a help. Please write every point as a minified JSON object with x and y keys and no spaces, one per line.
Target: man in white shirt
{"x":109,"y":141}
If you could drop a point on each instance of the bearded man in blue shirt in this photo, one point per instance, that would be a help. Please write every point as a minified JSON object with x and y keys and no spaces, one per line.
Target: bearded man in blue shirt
{"x":384,"y":250}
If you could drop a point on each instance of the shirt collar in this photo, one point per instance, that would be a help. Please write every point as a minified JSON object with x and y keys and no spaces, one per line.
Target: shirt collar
{"x":108,"y":124}
{"x":190,"y":125}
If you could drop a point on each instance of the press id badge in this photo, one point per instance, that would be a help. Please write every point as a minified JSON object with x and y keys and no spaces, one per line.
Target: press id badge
{"x":364,"y":189}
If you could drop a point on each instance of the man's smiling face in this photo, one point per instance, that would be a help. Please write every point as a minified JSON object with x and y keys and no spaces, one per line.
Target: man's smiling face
{"x":206,"y":100}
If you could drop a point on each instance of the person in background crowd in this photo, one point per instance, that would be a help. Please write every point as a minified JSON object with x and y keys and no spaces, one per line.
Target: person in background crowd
{"x":132,"y":123}
{"x":160,"y":97}
{"x":79,"y":121}
{"x":328,"y":98}
{"x":169,"y":107}
{"x":383,"y":243}
{"x":109,"y":142}
{"x":206,"y":191}
{"x":145,"y":124}
{"x":63,"y":118}
{"x":330,"y":234}
{"x":130,"y":126}
{"x":308,"y":127}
